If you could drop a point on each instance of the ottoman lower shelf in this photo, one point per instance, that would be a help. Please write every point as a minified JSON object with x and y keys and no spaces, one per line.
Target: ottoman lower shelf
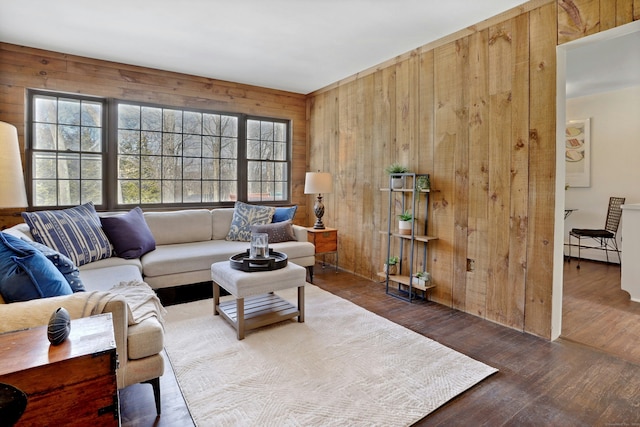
{"x":255,"y":303}
{"x":261,"y":310}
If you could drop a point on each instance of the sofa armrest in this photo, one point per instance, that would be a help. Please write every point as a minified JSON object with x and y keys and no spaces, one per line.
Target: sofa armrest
{"x":300,"y":232}
{"x":29,"y":314}
{"x":117,"y":306}
{"x":33,"y":313}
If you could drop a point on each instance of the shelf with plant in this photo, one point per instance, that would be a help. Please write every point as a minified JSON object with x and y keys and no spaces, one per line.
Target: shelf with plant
{"x":408,"y":281}
{"x":405,"y":223}
{"x":391,"y":266}
{"x":396,"y":173}
{"x":410,"y":208}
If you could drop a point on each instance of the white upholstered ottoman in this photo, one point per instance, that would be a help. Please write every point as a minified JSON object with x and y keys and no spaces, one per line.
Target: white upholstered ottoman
{"x":255,"y":303}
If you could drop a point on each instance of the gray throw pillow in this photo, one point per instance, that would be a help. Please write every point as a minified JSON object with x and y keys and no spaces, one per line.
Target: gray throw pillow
{"x":277,"y":231}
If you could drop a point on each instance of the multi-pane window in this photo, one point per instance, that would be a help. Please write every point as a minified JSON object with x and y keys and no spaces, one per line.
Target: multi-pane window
{"x":267,"y":160}
{"x":169,"y":156}
{"x":67,"y":150}
{"x":154,"y":155}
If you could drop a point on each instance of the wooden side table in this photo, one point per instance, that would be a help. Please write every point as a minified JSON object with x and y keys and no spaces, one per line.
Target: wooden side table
{"x":325,"y":240}
{"x":73,"y":383}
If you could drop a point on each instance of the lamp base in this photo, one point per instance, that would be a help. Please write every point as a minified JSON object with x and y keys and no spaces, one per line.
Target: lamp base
{"x":318,"y":209}
{"x":319,"y":225}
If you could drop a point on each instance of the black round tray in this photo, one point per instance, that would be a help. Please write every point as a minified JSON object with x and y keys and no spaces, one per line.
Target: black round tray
{"x":242,"y":262}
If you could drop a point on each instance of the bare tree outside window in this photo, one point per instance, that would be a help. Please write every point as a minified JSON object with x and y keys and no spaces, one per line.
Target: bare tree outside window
{"x":174,"y":156}
{"x":67,"y":151}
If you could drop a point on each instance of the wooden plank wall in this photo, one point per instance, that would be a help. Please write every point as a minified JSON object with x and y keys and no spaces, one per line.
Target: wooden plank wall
{"x":579,"y":18}
{"x":477,"y":111}
{"x":23,"y":68}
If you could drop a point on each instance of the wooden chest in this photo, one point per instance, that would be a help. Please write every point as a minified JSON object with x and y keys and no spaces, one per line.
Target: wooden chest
{"x":325,"y":240}
{"x":73,"y":383}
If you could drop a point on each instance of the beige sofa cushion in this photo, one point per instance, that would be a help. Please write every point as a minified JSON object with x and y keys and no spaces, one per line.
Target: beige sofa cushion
{"x":183,"y":226}
{"x":21,"y":231}
{"x":145,"y":339}
{"x":221,"y":219}
{"x":103,"y":279}
{"x":185,"y":257}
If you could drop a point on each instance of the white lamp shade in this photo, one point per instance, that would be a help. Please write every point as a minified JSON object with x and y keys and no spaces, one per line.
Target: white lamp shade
{"x":318,"y":183}
{"x":12,"y":190}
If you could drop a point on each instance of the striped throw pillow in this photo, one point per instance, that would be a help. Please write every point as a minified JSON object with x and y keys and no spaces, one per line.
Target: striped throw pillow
{"x":75,"y":232}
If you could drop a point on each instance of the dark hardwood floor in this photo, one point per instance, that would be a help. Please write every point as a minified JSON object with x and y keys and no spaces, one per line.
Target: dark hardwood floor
{"x":588,"y":377}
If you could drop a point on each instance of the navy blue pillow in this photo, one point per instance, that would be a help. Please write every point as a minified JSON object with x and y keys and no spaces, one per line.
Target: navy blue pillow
{"x":284,"y":214}
{"x":129,"y":234}
{"x":64,"y":264}
{"x":26,"y":274}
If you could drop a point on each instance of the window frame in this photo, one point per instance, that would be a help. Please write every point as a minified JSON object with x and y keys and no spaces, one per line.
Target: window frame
{"x":109,"y":153}
{"x":30,"y":150}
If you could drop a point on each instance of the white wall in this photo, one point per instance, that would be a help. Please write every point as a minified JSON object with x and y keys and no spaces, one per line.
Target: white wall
{"x":615,"y":159}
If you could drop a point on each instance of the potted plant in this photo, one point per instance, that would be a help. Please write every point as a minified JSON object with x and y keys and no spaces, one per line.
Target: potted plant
{"x":393,"y":170}
{"x":391,"y":266}
{"x":404,"y":225}
{"x":423,"y":182}
{"x":421,"y":278}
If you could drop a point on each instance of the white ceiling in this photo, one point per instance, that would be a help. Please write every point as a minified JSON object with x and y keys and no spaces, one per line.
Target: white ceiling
{"x":293,"y":45}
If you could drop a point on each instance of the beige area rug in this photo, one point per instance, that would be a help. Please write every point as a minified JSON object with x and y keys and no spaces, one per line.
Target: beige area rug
{"x":344,"y":366}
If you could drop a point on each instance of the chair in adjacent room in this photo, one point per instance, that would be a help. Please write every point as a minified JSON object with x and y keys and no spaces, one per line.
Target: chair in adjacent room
{"x":605,"y":238}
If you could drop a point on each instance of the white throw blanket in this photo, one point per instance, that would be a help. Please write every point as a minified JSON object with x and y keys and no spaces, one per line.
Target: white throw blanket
{"x":142,"y":302}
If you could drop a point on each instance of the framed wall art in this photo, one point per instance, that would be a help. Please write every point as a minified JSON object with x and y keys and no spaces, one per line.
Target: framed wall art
{"x":578,"y":153}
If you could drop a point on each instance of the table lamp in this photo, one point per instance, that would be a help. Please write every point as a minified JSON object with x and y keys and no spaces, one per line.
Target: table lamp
{"x":318,"y":183}
{"x":12,"y":190}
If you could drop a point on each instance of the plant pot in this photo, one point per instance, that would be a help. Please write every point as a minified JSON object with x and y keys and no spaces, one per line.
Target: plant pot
{"x":419,"y":281}
{"x":404,"y":227}
{"x":391,"y":269}
{"x":397,"y":182}
{"x":423,"y":183}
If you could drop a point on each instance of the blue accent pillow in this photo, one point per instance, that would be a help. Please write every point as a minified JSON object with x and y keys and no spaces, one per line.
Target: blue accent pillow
{"x":129,"y":234}
{"x":75,"y":232}
{"x":284,"y":214}
{"x":26,"y":274}
{"x":63,"y":264}
{"x":244,"y":216}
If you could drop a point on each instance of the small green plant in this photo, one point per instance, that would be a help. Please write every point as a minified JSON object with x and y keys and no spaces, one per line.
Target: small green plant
{"x":423,"y":277}
{"x":393,"y":260}
{"x":406,"y":216}
{"x":423,"y":183}
{"x":396,"y":168}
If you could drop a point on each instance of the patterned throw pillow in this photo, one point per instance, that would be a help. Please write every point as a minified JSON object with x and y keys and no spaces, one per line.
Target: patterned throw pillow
{"x":63,"y":264}
{"x":75,"y":232}
{"x":244,"y":216}
{"x":277,"y":231}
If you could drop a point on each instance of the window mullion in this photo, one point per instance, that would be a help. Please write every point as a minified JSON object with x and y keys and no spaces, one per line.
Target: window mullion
{"x":242,"y":159}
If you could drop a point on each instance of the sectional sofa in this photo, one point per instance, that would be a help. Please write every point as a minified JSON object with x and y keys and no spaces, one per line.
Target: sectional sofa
{"x":184,"y":244}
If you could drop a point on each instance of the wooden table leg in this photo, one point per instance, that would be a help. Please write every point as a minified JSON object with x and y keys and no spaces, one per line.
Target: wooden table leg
{"x":216,"y":298}
{"x":240,"y":317}
{"x":301,"y":303}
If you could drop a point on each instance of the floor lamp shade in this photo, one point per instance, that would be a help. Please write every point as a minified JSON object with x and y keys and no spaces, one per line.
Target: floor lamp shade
{"x":12,"y":190}
{"x":318,"y":183}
